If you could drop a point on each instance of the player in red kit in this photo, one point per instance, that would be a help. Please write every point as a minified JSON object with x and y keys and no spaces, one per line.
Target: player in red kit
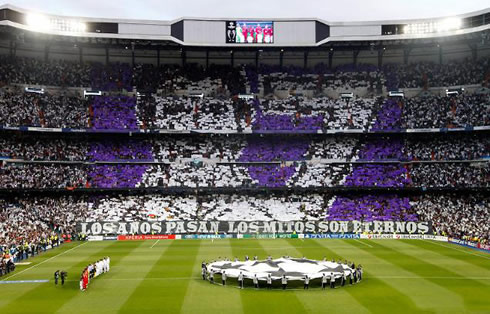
{"x":252,"y":35}
{"x":85,"y":279}
{"x":260,"y":34}
{"x":267,"y":34}
{"x":245,"y":32}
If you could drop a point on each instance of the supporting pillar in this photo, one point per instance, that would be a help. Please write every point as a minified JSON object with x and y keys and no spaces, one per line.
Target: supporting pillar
{"x":406,"y":54}
{"x":46,"y":53}
{"x":183,"y":57}
{"x":281,"y":58}
{"x":80,"y":54}
{"x":355,"y":53}
{"x":440,"y":54}
{"x":380,"y":57}
{"x":207,"y":58}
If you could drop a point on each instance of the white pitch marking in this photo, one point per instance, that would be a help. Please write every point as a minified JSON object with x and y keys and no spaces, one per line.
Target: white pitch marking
{"x":155,"y":243}
{"x":363,"y":243}
{"x":45,"y":261}
{"x":457,"y":249}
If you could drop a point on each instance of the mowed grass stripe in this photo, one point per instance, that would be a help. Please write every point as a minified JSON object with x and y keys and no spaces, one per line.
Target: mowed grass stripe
{"x":263,"y":301}
{"x":108,"y":295}
{"x":374,"y":294}
{"x":201,"y":296}
{"x":426,"y":294}
{"x":454,"y":265}
{"x":481,"y":264}
{"x":167,"y":296}
{"x":35,"y":300}
{"x":12,"y":291}
{"x":474,"y":293}
{"x":339,"y":299}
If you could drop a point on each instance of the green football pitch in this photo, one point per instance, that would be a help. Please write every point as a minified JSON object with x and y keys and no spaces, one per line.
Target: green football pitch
{"x":400,"y":276}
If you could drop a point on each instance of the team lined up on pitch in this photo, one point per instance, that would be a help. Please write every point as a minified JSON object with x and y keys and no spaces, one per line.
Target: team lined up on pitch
{"x":94,"y":270}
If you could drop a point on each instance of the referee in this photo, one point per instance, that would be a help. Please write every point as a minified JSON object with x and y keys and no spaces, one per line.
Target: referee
{"x":56,"y":277}
{"x":223,"y":278}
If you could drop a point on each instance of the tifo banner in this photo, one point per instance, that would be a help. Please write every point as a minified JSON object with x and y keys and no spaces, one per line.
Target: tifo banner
{"x":252,"y":227}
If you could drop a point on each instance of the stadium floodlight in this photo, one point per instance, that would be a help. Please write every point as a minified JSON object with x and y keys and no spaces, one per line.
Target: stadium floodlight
{"x":42,"y":23}
{"x":449,"y":24}
{"x":38,"y":22}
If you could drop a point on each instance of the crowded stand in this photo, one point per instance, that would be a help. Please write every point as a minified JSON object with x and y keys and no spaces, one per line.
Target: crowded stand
{"x":299,"y":80}
{"x":291,"y":114}
{"x":41,"y":176}
{"x":459,"y":216}
{"x":50,"y":111}
{"x":446,"y":112}
{"x":207,"y":207}
{"x":52,"y":73}
{"x":232,"y":175}
{"x":450,"y":175}
{"x":31,"y":225}
{"x":370,"y":208}
{"x":452,"y":73}
{"x":192,"y":98}
{"x":444,"y":148}
{"x":31,"y":222}
{"x":187,"y":113}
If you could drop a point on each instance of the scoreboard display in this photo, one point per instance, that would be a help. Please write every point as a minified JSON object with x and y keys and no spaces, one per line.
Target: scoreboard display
{"x":249,"y":32}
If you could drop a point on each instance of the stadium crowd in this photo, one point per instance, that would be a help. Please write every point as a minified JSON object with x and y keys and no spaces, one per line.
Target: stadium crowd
{"x":31,"y":224}
{"x":293,"y":114}
{"x":237,"y":148}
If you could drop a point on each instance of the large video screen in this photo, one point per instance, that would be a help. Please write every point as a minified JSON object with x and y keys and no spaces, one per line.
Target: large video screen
{"x":248,"y":32}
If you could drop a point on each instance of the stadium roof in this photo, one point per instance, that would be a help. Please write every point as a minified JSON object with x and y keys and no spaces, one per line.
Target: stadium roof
{"x":330,"y":10}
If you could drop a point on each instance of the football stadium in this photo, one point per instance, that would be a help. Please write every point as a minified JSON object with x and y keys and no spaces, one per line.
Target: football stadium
{"x":244,"y":163}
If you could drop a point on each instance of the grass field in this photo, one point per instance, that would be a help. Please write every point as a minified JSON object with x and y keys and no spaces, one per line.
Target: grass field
{"x":400,"y":276}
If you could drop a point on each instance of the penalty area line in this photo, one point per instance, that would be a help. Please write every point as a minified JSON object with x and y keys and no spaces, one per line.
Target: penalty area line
{"x":44,"y":261}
